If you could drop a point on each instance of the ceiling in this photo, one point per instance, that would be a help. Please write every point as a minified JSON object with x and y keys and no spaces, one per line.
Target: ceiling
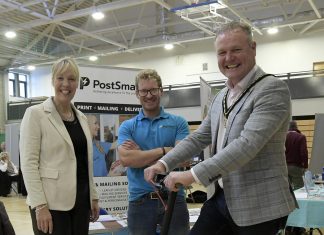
{"x":49,"y":29}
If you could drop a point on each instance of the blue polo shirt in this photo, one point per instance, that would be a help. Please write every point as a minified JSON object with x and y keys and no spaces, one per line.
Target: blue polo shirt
{"x":161,"y":131}
{"x":99,"y":159}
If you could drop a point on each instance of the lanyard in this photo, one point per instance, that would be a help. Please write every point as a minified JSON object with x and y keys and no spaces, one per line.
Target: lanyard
{"x":227,"y":110}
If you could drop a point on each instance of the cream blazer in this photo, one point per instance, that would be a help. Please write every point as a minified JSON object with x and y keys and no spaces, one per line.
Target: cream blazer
{"x":48,"y":161}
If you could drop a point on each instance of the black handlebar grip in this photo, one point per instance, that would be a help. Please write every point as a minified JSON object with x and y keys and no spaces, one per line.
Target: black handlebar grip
{"x":168,"y":213}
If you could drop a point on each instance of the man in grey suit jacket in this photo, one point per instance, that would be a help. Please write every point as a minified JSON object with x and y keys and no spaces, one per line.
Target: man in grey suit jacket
{"x":246,"y":126}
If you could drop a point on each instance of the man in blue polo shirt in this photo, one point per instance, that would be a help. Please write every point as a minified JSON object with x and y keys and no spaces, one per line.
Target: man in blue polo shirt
{"x":143,"y":140}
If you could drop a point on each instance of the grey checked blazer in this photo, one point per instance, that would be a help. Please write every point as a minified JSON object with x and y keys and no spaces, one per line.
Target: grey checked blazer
{"x":252,"y":163}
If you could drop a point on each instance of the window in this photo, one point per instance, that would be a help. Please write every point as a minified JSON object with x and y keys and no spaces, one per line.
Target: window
{"x":17,"y":84}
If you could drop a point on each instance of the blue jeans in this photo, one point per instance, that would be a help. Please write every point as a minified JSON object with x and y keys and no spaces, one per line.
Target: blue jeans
{"x":145,"y":214}
{"x":215,"y":219}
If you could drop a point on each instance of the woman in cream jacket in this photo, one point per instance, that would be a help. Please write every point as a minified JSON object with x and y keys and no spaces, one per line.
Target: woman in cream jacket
{"x":56,"y":159}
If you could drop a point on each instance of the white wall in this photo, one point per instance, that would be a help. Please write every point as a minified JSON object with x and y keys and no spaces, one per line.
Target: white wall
{"x":184,"y":65}
{"x":303,"y":107}
{"x":292,"y":55}
{"x":12,"y":140}
{"x":191,"y":114}
{"x":41,"y":82}
{"x":300,"y":107}
{"x":3,"y":106}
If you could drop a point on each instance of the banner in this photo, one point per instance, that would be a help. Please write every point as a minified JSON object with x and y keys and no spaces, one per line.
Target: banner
{"x":205,"y":100}
{"x":107,"y":90}
{"x":207,"y":93}
{"x":113,"y":193}
{"x":107,"y":97}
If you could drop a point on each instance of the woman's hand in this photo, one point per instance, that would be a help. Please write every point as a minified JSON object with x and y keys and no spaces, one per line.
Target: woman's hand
{"x":44,"y":219}
{"x":94,"y":211}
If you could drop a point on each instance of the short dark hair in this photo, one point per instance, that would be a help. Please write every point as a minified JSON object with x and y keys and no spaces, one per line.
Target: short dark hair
{"x":293,"y":125}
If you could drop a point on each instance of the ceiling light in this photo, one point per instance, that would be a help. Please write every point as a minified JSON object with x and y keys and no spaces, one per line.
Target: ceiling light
{"x":213,"y":7}
{"x":168,"y":46}
{"x":98,"y":15}
{"x":93,"y":58}
{"x":217,"y":5}
{"x":272,"y":30}
{"x":31,"y":67}
{"x":10,"y":34}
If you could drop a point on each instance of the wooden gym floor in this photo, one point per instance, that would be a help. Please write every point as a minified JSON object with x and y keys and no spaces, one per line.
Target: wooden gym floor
{"x":19,"y":216}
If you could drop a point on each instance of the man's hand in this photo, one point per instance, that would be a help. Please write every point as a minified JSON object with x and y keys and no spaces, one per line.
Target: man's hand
{"x":184,"y":178}
{"x":130,"y":145}
{"x":150,"y":172}
{"x":94,"y":211}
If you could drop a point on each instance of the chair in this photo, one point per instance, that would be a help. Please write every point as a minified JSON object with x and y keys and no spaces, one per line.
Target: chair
{"x":190,"y":195}
{"x":14,"y":179}
{"x":4,"y":184}
{"x":102,"y":211}
{"x":5,"y":224}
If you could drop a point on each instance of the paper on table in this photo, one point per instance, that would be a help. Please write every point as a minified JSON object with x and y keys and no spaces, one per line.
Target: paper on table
{"x":122,"y":223}
{"x":193,"y":218}
{"x":106,"y":218}
{"x":194,"y":214}
{"x":96,"y":225}
{"x":194,"y":211}
{"x":301,"y":195}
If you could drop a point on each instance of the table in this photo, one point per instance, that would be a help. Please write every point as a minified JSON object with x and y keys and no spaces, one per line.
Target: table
{"x":115,"y":228}
{"x":111,"y":228}
{"x":311,"y":207}
{"x":319,"y":181}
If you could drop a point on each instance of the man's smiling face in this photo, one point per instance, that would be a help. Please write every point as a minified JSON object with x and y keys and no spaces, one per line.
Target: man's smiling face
{"x":235,"y":54}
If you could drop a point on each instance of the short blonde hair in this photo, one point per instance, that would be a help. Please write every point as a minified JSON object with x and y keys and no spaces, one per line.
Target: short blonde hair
{"x":64,"y":64}
{"x":233,"y":25}
{"x":4,"y":155}
{"x":148,"y":74}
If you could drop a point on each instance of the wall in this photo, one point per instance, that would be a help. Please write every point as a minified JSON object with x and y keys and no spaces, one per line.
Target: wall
{"x":2,"y":105}
{"x":291,"y":55}
{"x":317,"y":161}
{"x":300,"y":107}
{"x":40,"y":82}
{"x":12,"y":141}
{"x":297,"y":53}
{"x":191,"y":114}
{"x":184,"y":65}
{"x":179,"y":66}
{"x":304,"y":107}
